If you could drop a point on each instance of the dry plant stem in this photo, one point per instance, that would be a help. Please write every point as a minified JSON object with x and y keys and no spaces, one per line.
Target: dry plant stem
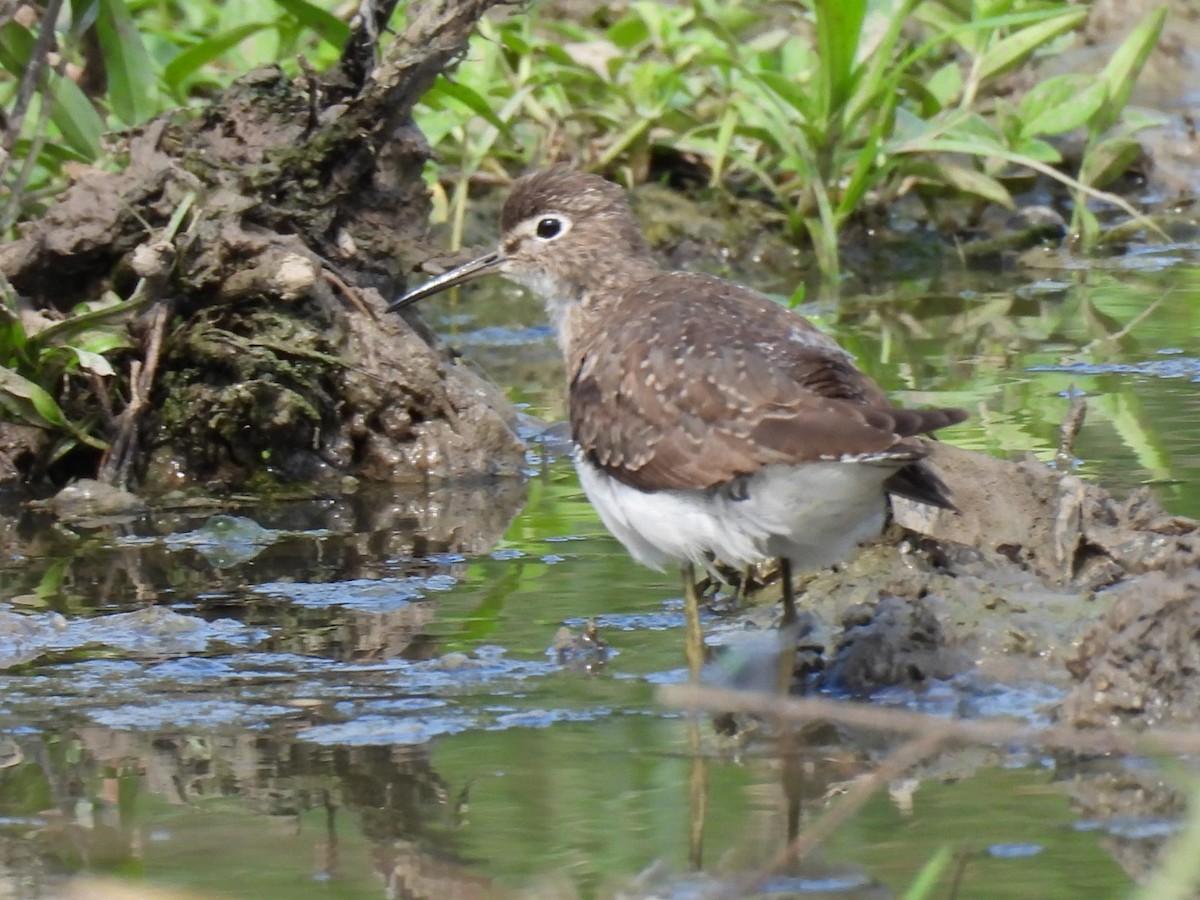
{"x":38,"y":58}
{"x":437,"y":33}
{"x":349,"y":293}
{"x":33,"y":76}
{"x":366,"y":25}
{"x":1121,"y":741}
{"x":1069,"y":430}
{"x":119,"y":459}
{"x":1128,"y":329}
{"x":961,"y":858}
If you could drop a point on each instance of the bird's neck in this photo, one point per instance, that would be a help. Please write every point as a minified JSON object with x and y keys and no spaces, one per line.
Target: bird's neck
{"x":575,"y":306}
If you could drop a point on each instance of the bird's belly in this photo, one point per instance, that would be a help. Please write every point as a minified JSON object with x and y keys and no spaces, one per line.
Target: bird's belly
{"x":813,"y":514}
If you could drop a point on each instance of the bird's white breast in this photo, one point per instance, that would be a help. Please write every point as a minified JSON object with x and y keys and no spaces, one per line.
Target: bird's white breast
{"x":813,"y":514}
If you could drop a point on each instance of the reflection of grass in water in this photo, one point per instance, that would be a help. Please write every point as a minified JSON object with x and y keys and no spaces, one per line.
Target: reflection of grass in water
{"x":575,"y":797}
{"x":555,"y":563}
{"x":991,"y":808}
{"x":600,"y":802}
{"x":1014,"y":359}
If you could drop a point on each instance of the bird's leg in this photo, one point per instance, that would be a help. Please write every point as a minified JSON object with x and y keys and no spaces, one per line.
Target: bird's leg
{"x":743,"y":588}
{"x":787,"y":631}
{"x":789,"y":597}
{"x":693,"y":634}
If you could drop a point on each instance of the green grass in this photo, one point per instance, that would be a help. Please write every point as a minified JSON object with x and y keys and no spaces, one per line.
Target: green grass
{"x":828,"y":107}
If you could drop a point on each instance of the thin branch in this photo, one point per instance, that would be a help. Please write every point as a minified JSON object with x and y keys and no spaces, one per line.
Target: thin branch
{"x":848,"y":805}
{"x":1121,"y":741}
{"x":32,"y":76}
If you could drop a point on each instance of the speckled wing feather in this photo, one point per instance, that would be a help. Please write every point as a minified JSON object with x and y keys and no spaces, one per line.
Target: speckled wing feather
{"x":754,"y":385}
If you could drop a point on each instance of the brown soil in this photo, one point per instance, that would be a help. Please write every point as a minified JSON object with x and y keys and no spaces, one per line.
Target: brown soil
{"x":1036,"y":577}
{"x":264,"y":353}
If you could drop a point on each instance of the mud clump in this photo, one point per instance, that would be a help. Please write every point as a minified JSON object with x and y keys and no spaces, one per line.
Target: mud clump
{"x":1037,"y":576}
{"x":893,"y":643}
{"x":1139,"y":664}
{"x":1058,"y":527}
{"x":254,"y":246}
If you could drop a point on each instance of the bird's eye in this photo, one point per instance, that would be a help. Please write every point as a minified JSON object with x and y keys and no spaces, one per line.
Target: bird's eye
{"x":549,"y":228}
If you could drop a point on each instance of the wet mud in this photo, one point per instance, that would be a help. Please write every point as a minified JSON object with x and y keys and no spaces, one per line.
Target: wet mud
{"x":254,"y":246}
{"x":1036,"y":575}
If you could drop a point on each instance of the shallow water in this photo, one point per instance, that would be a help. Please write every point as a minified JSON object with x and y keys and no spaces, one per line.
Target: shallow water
{"x":357,"y":697}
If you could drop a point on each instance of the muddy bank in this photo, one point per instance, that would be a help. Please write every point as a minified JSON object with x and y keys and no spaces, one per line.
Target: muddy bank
{"x":253,"y":247}
{"x":1038,"y":577}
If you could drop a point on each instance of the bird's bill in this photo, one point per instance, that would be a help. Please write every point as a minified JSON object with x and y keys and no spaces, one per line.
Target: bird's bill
{"x":468,"y":271}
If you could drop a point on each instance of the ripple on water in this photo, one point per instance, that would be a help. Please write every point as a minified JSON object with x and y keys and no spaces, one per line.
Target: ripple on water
{"x":650,"y":621}
{"x":371,"y":730}
{"x":1173,"y":366}
{"x":161,"y":714}
{"x":366,"y":594}
{"x":970,"y":696}
{"x":1014,"y":851}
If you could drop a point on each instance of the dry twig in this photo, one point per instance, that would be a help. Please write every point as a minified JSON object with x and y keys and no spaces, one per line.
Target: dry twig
{"x":1091,"y":741}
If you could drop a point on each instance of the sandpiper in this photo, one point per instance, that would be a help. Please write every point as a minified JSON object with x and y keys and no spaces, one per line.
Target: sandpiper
{"x":710,"y":423}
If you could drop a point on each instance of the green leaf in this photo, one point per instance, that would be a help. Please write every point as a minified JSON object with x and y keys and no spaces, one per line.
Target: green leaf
{"x":839,"y":28}
{"x":1085,"y":228}
{"x":1039,"y":150}
{"x":1108,"y":159}
{"x":511,"y":40}
{"x":628,"y":32}
{"x":1127,"y":62}
{"x":790,"y":92}
{"x":1016,"y":48}
{"x":468,"y":97}
{"x":101,"y":341}
{"x":131,"y":75}
{"x":988,"y":9}
{"x":93,"y":362}
{"x":931,"y":873}
{"x":960,"y":178}
{"x":946,"y":84}
{"x":71,"y":111}
{"x":1060,"y":104}
{"x":25,"y":400}
{"x":74,"y":116}
{"x":883,"y":73}
{"x":654,"y":19}
{"x":327,"y":26}
{"x":186,"y":63}
{"x":28,"y":401}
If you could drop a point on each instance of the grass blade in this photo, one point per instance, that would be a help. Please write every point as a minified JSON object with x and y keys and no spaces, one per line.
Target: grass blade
{"x":131,"y":74}
{"x":839,"y":26}
{"x":1123,"y":69}
{"x":184,"y":65}
{"x":1013,"y":50}
{"x":329,"y":27}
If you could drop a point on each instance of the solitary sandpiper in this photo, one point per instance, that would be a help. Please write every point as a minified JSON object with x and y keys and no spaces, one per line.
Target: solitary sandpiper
{"x":710,"y":424}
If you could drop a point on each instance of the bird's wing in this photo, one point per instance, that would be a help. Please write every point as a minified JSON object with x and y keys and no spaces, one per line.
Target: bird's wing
{"x":697,"y":380}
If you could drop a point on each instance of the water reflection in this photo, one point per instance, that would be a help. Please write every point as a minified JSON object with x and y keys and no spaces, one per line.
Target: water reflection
{"x":354,"y":695}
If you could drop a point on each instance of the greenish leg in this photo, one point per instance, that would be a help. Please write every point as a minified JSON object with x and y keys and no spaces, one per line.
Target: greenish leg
{"x":693,"y":634}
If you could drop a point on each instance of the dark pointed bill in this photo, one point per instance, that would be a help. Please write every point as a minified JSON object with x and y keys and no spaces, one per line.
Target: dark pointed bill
{"x":468,"y":271}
